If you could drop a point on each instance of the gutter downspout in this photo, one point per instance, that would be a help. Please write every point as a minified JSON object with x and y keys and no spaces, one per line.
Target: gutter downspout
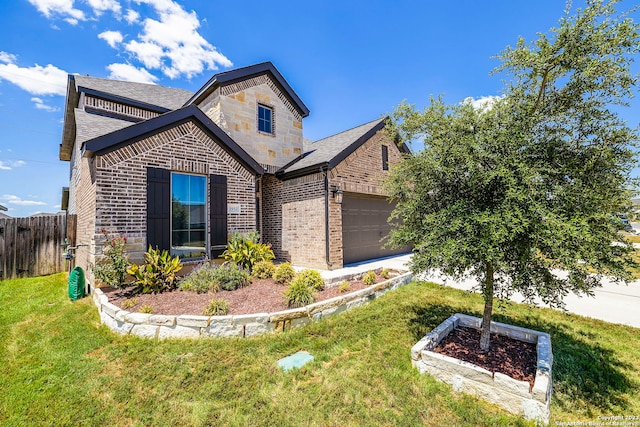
{"x":325,"y":171}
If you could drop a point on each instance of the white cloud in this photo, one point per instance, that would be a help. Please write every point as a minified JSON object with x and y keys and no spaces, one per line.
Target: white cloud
{"x":15,"y":200}
{"x":37,"y":80}
{"x":484,"y":102}
{"x":100,"y":6}
{"x":113,"y":38}
{"x":40,"y":105}
{"x":173,"y":44}
{"x":132,"y":16}
{"x":7,"y":58}
{"x":130,"y":73}
{"x":50,"y":8}
{"x":9,"y":165}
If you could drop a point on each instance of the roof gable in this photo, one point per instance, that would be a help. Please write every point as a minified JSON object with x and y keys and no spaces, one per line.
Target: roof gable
{"x":128,"y":135}
{"x":245,"y":73}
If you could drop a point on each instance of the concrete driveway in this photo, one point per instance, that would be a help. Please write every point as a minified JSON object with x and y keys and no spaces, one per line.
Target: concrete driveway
{"x":612,"y":302}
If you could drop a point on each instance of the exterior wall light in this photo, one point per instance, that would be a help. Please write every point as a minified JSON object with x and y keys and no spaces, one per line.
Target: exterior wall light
{"x":337,"y":194}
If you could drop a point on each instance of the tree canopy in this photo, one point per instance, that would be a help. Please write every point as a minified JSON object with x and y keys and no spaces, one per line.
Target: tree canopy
{"x":523,"y":192}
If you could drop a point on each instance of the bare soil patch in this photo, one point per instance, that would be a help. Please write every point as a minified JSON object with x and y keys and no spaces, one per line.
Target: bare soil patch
{"x":508,"y":356}
{"x":261,"y":296}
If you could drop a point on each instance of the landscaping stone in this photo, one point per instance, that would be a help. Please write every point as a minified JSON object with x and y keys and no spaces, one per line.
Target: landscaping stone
{"x":177,"y":331}
{"x":145,"y":331}
{"x":161,"y":320}
{"x":517,"y":397}
{"x":222,"y":326}
{"x":193,"y":321}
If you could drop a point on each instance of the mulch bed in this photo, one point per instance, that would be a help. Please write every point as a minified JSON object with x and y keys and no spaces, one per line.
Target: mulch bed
{"x":261,"y":296}
{"x":508,"y":356}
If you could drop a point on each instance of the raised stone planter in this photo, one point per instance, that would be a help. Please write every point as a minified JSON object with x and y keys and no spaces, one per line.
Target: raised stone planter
{"x":514,"y":396}
{"x":242,"y":325}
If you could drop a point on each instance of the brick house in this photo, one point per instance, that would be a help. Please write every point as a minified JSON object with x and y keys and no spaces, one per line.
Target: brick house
{"x":183,"y":171}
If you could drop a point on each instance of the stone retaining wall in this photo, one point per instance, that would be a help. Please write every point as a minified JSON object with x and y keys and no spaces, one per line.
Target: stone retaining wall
{"x":515,"y":396}
{"x":243,"y":325}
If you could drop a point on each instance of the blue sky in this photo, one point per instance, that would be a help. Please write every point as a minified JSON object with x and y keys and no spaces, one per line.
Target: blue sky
{"x":349,"y":61}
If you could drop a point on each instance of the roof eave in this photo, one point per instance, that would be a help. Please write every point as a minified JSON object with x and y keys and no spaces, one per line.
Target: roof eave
{"x":69,"y":126}
{"x":120,"y":138}
{"x":308,"y":170}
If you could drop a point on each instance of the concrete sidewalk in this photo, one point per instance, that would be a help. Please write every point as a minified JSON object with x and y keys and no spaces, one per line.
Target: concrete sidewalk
{"x":612,"y":302}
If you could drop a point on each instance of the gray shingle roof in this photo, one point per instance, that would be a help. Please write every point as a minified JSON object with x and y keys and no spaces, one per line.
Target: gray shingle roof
{"x":327,"y":149}
{"x":90,"y":126}
{"x":161,"y":96}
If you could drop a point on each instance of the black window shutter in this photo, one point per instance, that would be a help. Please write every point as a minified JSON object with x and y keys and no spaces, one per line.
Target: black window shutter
{"x":218,"y":209}
{"x":159,"y":208}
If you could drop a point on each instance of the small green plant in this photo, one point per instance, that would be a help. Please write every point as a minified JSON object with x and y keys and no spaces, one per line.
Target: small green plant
{"x":146,"y":309}
{"x":385,"y":273}
{"x":158,"y":274}
{"x":216,"y":307}
{"x":263,"y":270}
{"x":311,"y":278}
{"x":201,"y":280}
{"x":230,"y":277}
{"x":112,"y":268}
{"x":344,"y":286}
{"x":284,"y":273}
{"x":129,"y":303}
{"x":246,"y":251}
{"x":369,"y":278}
{"x":298,"y":294}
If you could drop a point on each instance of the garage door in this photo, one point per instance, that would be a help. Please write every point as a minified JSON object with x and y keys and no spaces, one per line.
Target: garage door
{"x":365,"y":227}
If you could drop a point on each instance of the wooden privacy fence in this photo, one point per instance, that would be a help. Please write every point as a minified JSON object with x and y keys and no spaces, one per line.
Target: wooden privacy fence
{"x":34,"y":246}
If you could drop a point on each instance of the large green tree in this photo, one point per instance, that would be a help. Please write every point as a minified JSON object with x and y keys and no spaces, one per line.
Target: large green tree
{"x":523,"y":192}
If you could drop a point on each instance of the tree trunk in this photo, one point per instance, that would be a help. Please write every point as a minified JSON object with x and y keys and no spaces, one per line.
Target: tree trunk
{"x":488,"y":308}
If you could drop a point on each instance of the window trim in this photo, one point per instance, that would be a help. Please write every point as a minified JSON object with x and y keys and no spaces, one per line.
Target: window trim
{"x":272,"y":109}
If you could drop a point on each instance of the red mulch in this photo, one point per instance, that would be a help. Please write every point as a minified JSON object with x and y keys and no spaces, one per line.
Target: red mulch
{"x":508,"y":356}
{"x":261,"y":296}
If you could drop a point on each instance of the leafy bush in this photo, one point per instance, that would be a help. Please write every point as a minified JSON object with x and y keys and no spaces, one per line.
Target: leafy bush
{"x":130,"y":303}
{"x":112,"y":269}
{"x":246,"y":252}
{"x":201,"y":280}
{"x":284,"y":273}
{"x":263,"y":270}
{"x":298,"y":294}
{"x":344,"y":286}
{"x":369,"y":278}
{"x":311,"y":278}
{"x":146,"y":309}
{"x":216,"y":307}
{"x":229,"y":277}
{"x":385,"y":274}
{"x":159,"y":272}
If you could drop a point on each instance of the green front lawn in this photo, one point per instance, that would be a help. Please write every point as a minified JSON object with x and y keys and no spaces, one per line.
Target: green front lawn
{"x":59,"y":366}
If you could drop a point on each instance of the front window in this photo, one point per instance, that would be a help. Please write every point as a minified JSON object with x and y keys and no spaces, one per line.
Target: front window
{"x":265,"y":119}
{"x":188,"y":215}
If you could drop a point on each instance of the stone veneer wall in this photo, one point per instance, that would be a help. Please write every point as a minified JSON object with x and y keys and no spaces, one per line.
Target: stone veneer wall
{"x":245,"y":325}
{"x":294,"y":219}
{"x":115,"y":198}
{"x":517,"y":397}
{"x":234,"y":107}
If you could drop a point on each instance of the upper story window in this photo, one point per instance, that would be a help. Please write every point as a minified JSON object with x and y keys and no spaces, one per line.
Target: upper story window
{"x":385,"y":158}
{"x":265,"y":119}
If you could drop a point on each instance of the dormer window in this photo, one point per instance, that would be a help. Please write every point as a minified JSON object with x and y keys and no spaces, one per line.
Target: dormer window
{"x":265,"y":119}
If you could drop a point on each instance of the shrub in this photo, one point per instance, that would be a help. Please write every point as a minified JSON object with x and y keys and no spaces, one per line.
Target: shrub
{"x":158,"y":274}
{"x":369,"y":278}
{"x":298,"y":294}
{"x":229,"y":277}
{"x":263,"y":270}
{"x":246,"y":252}
{"x":201,"y":280}
{"x":216,"y":307}
{"x":344,"y":286}
{"x":146,"y":309}
{"x":385,"y":274}
{"x":112,"y":269}
{"x":311,"y":278}
{"x":284,"y":273}
{"x":129,"y":303}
